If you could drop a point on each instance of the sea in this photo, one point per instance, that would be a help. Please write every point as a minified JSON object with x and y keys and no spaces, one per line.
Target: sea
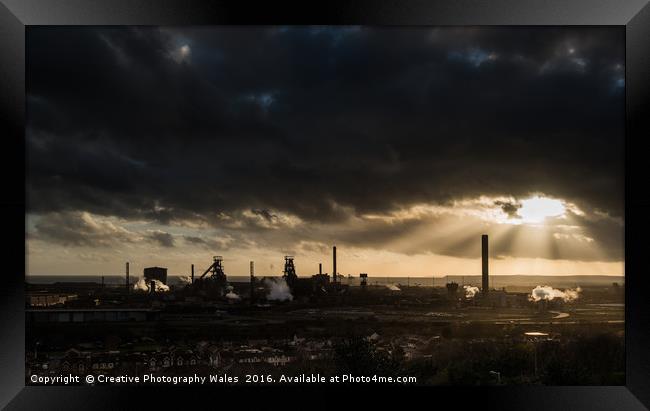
{"x":496,"y":281}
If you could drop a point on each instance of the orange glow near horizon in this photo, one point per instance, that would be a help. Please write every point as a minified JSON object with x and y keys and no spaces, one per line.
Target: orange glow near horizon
{"x":538,"y":235}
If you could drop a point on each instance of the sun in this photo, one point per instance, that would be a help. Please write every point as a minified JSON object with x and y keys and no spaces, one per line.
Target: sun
{"x":536,"y":209}
{"x":185,"y":51}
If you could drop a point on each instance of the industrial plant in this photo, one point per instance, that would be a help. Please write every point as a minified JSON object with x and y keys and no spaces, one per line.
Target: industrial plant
{"x":159,"y":323}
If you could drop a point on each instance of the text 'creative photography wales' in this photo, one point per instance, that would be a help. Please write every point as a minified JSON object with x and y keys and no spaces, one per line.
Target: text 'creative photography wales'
{"x":279,"y":205}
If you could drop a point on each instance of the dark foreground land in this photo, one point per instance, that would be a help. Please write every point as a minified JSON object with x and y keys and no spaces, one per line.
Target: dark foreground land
{"x":418,"y":332}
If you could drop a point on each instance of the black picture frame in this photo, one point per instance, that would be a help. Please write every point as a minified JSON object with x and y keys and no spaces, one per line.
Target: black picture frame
{"x":634,"y":15}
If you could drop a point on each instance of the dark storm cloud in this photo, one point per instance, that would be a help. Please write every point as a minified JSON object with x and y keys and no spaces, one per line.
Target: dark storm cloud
{"x":593,"y":239}
{"x":208,"y":243}
{"x":194,"y":240}
{"x":266,"y":214}
{"x":82,"y":229}
{"x":510,"y":208}
{"x":320,"y":122}
{"x":162,"y":238}
{"x":79,"y":229}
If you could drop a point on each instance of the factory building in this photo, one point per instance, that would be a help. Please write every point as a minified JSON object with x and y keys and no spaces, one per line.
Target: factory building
{"x":216,"y":283}
{"x":452,"y":289}
{"x":320,"y":279}
{"x":363,"y":278}
{"x":289,"y":272}
{"x":155,"y":273}
{"x":49,"y":299}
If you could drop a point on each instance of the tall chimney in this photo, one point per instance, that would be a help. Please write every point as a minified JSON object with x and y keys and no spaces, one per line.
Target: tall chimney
{"x":252,"y":269}
{"x":484,"y":258}
{"x":320,"y":268}
{"x":192,"y":273}
{"x":127,"y":277}
{"x":152,"y":287}
{"x":334,"y":264}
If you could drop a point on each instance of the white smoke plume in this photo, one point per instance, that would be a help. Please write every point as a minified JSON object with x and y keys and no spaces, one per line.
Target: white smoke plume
{"x":546,"y":292}
{"x":143,"y":286}
{"x":393,"y":287}
{"x":185,"y":279}
{"x":470,"y":291}
{"x":278,"y":290}
{"x":232,"y":296}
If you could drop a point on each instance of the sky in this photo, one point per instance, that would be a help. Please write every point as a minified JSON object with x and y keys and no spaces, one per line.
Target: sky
{"x":400,"y":145}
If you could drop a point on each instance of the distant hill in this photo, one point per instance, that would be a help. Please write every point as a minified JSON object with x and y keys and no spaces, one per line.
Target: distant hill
{"x":562,"y":281}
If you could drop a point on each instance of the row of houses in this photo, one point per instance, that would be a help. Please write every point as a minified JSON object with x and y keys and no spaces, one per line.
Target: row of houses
{"x":209,"y":354}
{"x":205,"y":354}
{"x":104,"y":362}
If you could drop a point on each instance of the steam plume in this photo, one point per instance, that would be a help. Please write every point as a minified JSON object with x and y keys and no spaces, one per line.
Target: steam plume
{"x":470,"y":291}
{"x":549,"y":293}
{"x":230,"y":294}
{"x":143,"y":286}
{"x":185,"y":279}
{"x":278,"y":290}
{"x":393,"y":287}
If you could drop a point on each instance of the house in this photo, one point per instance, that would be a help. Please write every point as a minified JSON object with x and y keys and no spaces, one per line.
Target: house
{"x":183,"y":357}
{"x":248,"y":356}
{"x":277,"y":358}
{"x":213,"y":355}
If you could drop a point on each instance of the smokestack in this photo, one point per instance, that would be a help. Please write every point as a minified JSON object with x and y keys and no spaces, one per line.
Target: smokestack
{"x":320,"y":268}
{"x":192,"y":273}
{"x":252,"y":268}
{"x":484,"y":258}
{"x":102,"y":281}
{"x":334,"y":263}
{"x":127,"y":277}
{"x":152,"y":290}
